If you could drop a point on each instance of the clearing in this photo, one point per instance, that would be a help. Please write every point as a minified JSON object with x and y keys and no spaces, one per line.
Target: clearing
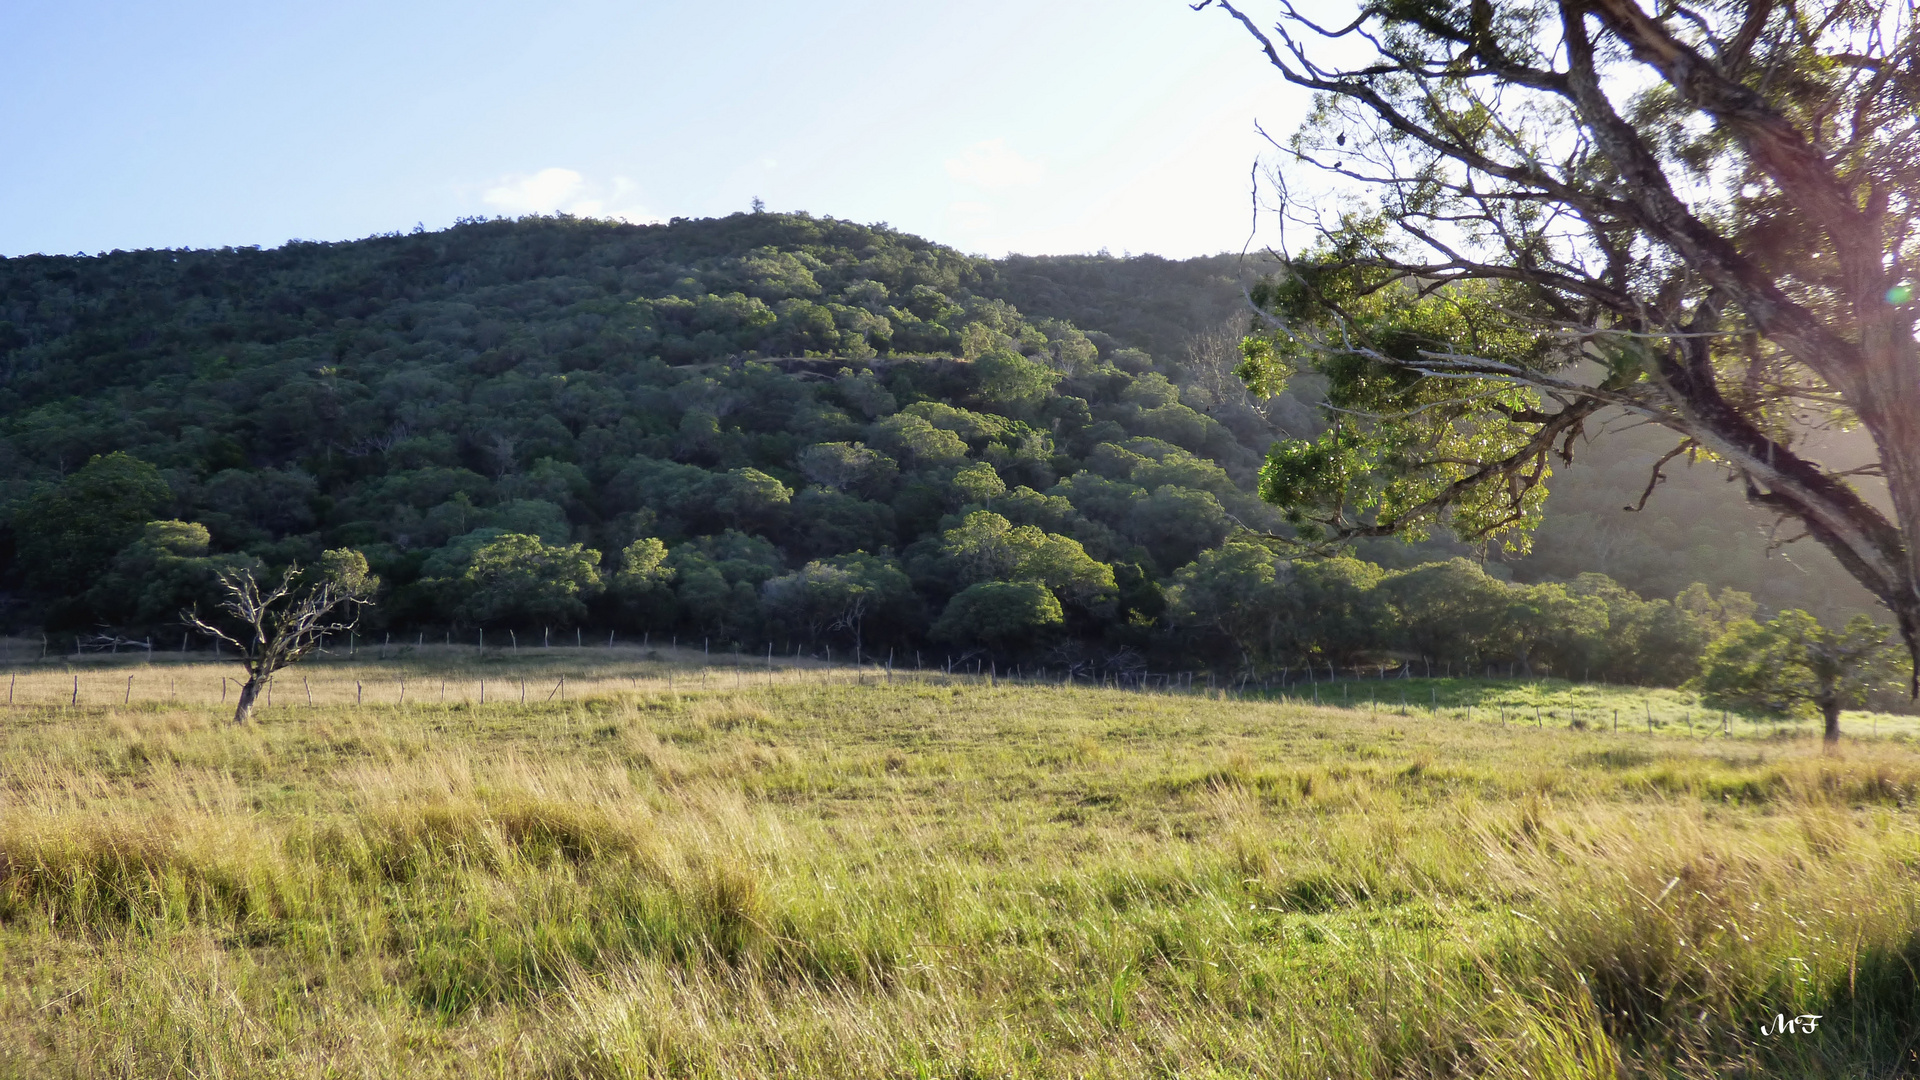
{"x":658,"y":869}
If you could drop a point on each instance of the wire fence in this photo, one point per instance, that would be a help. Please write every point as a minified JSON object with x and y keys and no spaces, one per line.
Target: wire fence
{"x":417,"y":674}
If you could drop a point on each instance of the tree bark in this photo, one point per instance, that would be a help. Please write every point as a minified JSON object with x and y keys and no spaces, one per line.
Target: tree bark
{"x":1831,"y":711}
{"x":244,"y":711}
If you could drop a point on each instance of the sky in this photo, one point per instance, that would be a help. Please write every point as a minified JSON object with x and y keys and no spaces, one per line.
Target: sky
{"x":993,"y":126}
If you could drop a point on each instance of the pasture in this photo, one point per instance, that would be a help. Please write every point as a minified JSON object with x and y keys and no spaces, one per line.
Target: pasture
{"x":662,"y":866}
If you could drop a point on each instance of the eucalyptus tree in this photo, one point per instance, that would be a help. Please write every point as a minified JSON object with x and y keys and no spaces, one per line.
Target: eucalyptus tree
{"x":1700,"y":216}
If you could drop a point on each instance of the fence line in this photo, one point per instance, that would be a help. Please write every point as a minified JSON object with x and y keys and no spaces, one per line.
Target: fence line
{"x":338,"y":680}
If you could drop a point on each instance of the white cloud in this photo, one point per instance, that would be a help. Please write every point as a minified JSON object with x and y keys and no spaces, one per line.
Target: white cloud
{"x":546,"y":190}
{"x":994,"y":164}
{"x":564,"y":191}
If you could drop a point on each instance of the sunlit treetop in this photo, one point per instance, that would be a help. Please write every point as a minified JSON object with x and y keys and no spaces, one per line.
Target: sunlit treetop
{"x":1700,"y":217}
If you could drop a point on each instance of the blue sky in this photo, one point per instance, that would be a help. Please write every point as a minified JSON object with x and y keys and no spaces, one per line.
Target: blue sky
{"x":991,"y":126}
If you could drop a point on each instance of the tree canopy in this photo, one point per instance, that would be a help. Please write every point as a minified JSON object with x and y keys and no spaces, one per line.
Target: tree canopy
{"x":1792,"y":663}
{"x":1700,"y":217}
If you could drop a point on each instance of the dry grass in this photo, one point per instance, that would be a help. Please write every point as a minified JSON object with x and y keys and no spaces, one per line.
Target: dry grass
{"x":837,"y":876}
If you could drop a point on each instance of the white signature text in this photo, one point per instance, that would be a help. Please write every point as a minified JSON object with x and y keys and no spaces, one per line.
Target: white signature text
{"x":1782,"y":1024}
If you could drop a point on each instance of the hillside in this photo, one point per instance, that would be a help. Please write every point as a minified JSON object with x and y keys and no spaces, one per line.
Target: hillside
{"x":1695,"y":527}
{"x":766,"y":428}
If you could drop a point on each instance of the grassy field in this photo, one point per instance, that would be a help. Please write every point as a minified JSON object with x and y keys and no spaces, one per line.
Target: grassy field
{"x":664,"y":870}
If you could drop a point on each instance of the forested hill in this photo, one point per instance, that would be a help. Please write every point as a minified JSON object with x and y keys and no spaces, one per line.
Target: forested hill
{"x":766,"y":427}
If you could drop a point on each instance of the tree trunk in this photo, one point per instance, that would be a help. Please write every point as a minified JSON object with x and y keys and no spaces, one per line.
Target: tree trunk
{"x":243,"y":711}
{"x":1830,"y":711}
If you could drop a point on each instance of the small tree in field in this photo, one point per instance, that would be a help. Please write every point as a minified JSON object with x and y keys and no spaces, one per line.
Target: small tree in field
{"x":275,"y":627}
{"x":1792,"y":662}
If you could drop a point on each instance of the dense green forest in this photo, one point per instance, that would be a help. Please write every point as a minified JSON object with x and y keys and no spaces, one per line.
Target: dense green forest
{"x":771,"y":430}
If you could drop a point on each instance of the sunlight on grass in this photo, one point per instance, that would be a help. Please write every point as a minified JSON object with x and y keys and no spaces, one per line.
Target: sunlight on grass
{"x":818,"y":872}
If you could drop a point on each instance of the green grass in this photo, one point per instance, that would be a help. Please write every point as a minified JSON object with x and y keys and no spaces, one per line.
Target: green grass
{"x":839,"y":876}
{"x":1590,"y":706}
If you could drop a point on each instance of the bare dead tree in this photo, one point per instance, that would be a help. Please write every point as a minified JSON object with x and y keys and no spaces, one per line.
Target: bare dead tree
{"x":853,"y":617}
{"x":282,"y":625}
{"x":1212,"y":359}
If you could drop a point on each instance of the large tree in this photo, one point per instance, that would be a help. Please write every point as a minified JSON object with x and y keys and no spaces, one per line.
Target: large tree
{"x":69,"y":532}
{"x":1792,"y":662}
{"x":1699,"y":216}
{"x":1238,"y":591}
{"x":519,"y":578}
